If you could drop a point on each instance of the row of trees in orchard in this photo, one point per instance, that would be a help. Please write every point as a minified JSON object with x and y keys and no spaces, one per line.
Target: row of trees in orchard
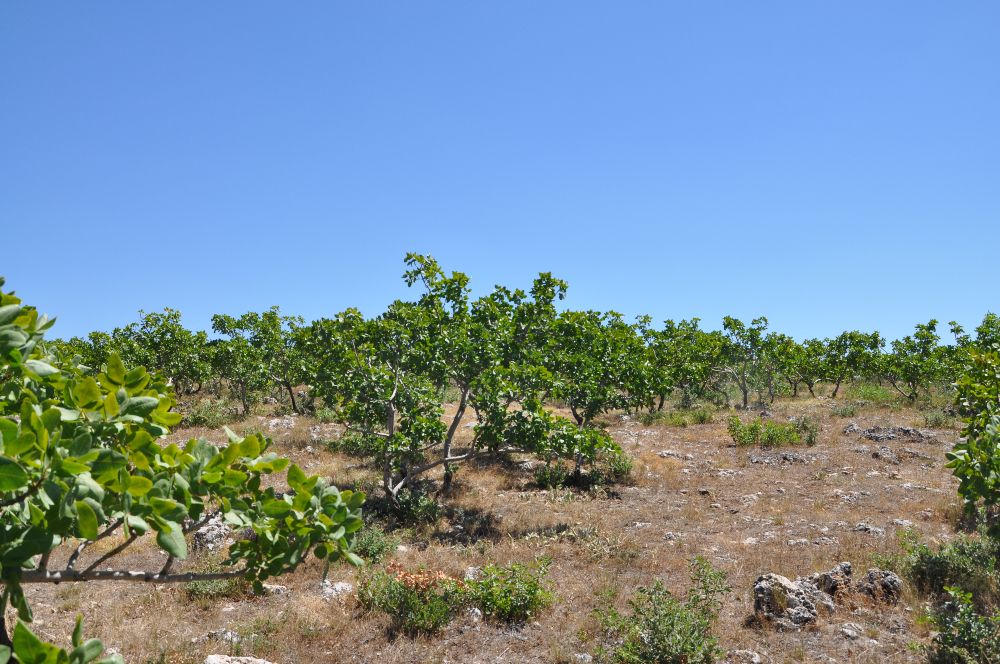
{"x":506,"y":358}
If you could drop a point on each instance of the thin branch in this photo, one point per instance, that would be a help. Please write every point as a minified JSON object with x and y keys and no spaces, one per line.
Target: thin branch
{"x":366,"y":431}
{"x":196,"y":525}
{"x":83,"y":545}
{"x":166,"y":566}
{"x":24,"y":496}
{"x":113,"y":552}
{"x":68,"y":575}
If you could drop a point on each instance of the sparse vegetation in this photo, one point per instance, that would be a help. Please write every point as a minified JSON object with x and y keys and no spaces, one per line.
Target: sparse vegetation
{"x":661,"y":628}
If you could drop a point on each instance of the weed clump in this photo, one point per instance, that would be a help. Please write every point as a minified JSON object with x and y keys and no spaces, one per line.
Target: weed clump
{"x":211,"y":414}
{"x":422,"y":602}
{"x":663,"y":629}
{"x":769,"y":434}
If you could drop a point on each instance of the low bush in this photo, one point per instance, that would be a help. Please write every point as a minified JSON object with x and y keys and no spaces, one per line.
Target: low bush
{"x":808,"y":428}
{"x":938,"y":419}
{"x":211,"y":414}
{"x":618,"y":466}
{"x":354,"y":444}
{"x":415,"y":506}
{"x":663,"y":630}
{"x":551,"y":476}
{"x":422,"y":602}
{"x":677,"y":418}
{"x":964,"y":636}
{"x":769,"y":434}
{"x":513,"y":593}
{"x":419,"y":603}
{"x":969,"y":563}
{"x":374,"y":544}
{"x":326,"y":415}
{"x":844,"y":410}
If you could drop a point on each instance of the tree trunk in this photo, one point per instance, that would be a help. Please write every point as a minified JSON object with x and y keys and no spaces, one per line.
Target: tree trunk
{"x":663,"y":397}
{"x":448,"y":472}
{"x":291,"y":395}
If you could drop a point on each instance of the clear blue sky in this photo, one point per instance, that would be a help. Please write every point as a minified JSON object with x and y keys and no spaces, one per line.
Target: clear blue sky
{"x":829,"y":165}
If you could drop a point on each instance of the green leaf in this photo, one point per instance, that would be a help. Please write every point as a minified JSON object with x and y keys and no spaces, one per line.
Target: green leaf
{"x":139,"y":406}
{"x":78,"y":631}
{"x":162,"y":505}
{"x":8,"y":313}
{"x":21,"y":444}
{"x":173,"y":542}
{"x":295,"y":476}
{"x":250,"y":447}
{"x":167,"y":419}
{"x":139,"y":486}
{"x":12,"y":475}
{"x":30,"y":649}
{"x":4,"y":654}
{"x":86,"y":520}
{"x":137,"y":524}
{"x":354,"y":559}
{"x":108,"y":462}
{"x":232,"y":477}
{"x":87,"y":392}
{"x":87,"y":652}
{"x":116,"y":370}
{"x":40,"y":368}
{"x":73,"y":467}
{"x":356,"y":500}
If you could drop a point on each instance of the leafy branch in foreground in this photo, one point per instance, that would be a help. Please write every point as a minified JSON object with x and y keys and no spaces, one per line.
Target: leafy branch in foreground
{"x":80,"y":461}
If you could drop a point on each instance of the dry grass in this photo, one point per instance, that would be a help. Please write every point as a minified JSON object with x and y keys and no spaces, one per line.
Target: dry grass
{"x":599,"y":553}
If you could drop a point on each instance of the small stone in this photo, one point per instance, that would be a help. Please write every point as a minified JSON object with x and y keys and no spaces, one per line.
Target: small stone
{"x":871,"y":530}
{"x":583,"y":657}
{"x":271,"y":590}
{"x":715,"y":506}
{"x":474,"y":614}
{"x":336,"y":590}
{"x":703,"y":492}
{"x":902,"y":523}
{"x":226,"y":659}
{"x":851,"y":631}
{"x":744,"y":657}
{"x":886,"y":454}
{"x":473,"y":573}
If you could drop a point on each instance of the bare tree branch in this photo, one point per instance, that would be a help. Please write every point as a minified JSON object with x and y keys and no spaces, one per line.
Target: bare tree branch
{"x":83,"y":545}
{"x":113,"y":552}
{"x":68,"y":575}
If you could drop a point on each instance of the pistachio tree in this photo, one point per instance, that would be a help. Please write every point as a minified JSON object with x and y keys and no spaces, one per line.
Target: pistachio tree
{"x":850,"y":354}
{"x":383,"y":375}
{"x":81,"y":464}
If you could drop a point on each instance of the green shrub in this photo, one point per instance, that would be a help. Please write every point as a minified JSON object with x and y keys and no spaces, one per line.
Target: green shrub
{"x":211,"y":414}
{"x":551,"y":475}
{"x":770,"y":434}
{"x":207,"y":592}
{"x":619,"y":466}
{"x":663,"y":630}
{"x":326,"y":415}
{"x":374,"y":544}
{"x":354,"y":444}
{"x":964,"y":637}
{"x":844,"y":410}
{"x":422,"y":602}
{"x":415,"y":506}
{"x":418,"y":603}
{"x":938,"y":419}
{"x":513,"y":593}
{"x":968,"y":563}
{"x":677,"y":418}
{"x":702,"y":415}
{"x":809,"y":429}
{"x":875,"y":394}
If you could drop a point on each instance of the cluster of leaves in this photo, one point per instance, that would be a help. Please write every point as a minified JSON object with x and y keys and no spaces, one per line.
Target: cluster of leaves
{"x":662,"y":628}
{"x":257,"y":351}
{"x":422,"y":602}
{"x":766,"y":434}
{"x":29,"y":649}
{"x":963,"y":636}
{"x":975,"y":459}
{"x":80,"y":459}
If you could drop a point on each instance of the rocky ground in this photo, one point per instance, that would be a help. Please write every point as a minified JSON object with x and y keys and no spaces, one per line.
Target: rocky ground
{"x":794,"y":513}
